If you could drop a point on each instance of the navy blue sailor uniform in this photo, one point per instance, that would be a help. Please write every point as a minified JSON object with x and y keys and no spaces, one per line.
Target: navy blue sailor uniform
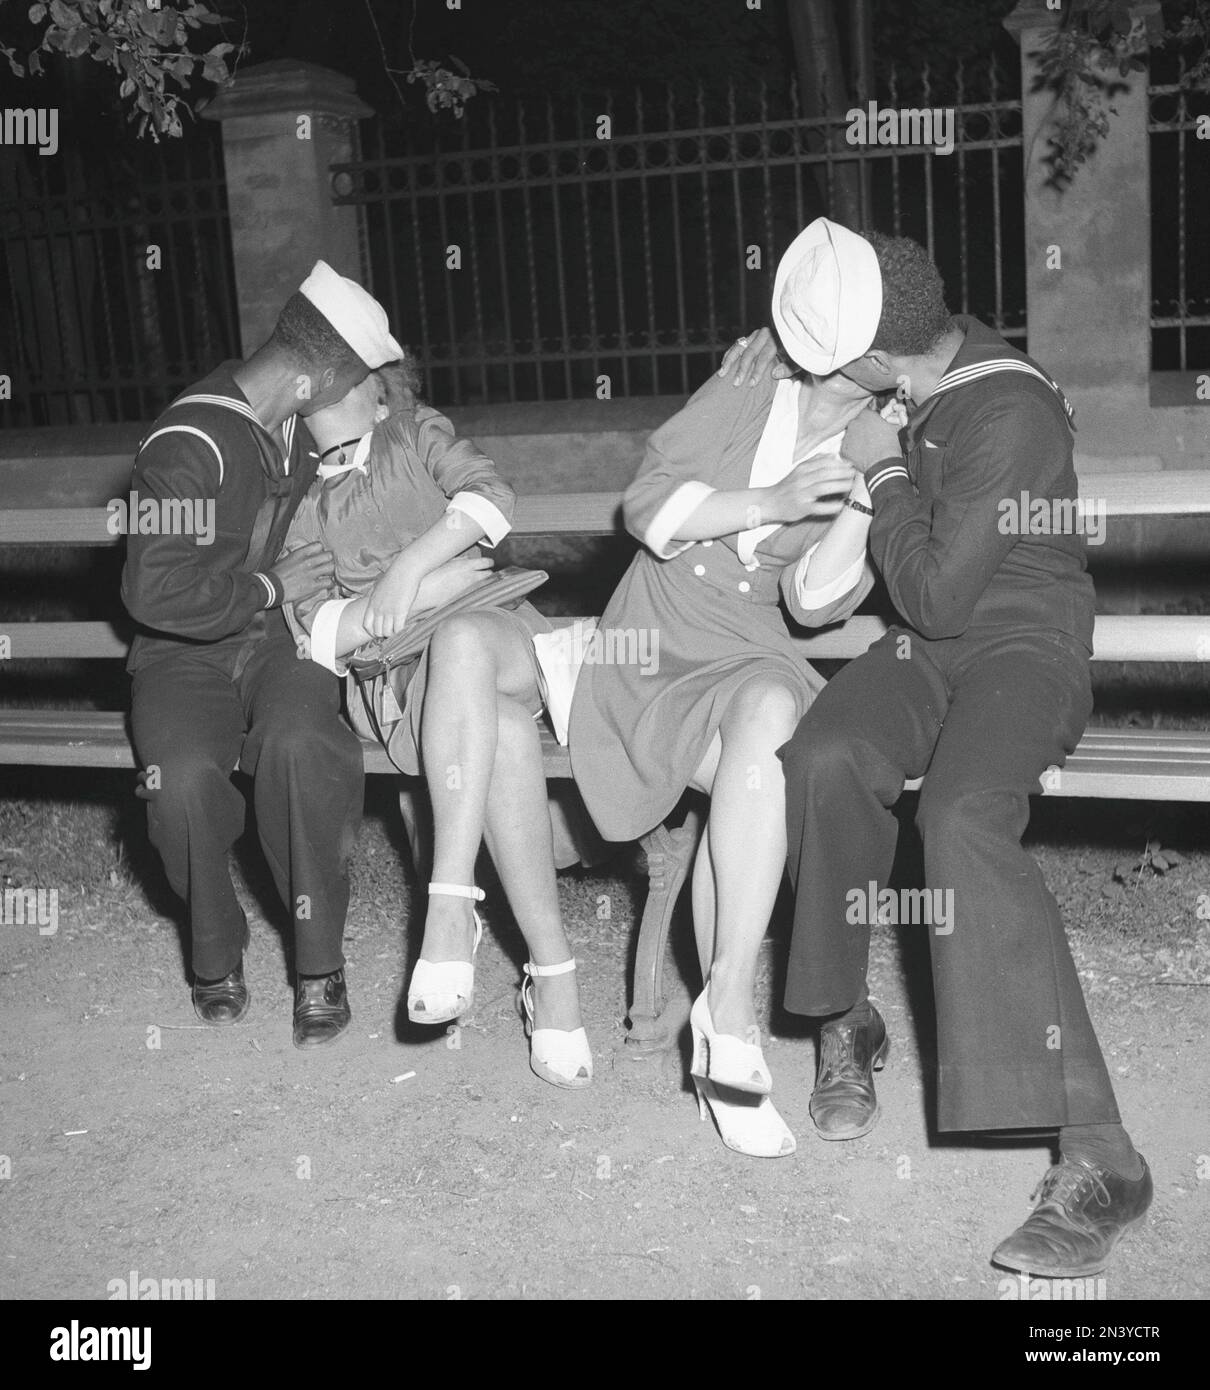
{"x":980,"y":689}
{"x":217,"y":682}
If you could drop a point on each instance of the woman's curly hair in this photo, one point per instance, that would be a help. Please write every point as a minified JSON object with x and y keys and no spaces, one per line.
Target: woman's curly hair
{"x":914,"y":317}
{"x":400,"y":384}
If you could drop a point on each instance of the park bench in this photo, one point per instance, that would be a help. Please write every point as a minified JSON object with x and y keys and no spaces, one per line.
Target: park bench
{"x":1141,"y":764}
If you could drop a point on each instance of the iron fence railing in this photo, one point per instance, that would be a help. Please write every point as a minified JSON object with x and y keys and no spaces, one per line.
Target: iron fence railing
{"x":116,"y":278}
{"x":637,"y":244}
{"x":1178,"y":125}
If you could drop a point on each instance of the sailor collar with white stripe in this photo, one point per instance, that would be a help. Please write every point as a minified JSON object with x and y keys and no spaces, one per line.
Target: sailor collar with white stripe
{"x":980,"y":356}
{"x":241,"y":407}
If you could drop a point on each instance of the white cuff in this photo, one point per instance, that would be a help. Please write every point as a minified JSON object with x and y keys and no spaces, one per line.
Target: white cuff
{"x":897,"y":471}
{"x":324,"y":626}
{"x":495,"y":525}
{"x":811,"y":599}
{"x":677,"y":508}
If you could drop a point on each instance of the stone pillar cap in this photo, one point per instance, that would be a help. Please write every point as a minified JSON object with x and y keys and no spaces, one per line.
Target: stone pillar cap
{"x":287,"y":85}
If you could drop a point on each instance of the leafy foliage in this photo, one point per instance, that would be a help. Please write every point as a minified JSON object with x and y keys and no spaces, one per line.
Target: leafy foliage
{"x":1092,"y":57}
{"x":1155,"y":859}
{"x":446,"y":90}
{"x":147,"y":43}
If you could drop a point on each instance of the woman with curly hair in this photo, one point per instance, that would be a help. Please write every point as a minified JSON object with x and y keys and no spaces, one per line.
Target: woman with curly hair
{"x":407,"y":510}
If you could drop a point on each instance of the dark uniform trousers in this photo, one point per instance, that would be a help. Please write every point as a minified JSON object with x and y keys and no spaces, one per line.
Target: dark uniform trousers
{"x":198,"y":713}
{"x":980,"y":717}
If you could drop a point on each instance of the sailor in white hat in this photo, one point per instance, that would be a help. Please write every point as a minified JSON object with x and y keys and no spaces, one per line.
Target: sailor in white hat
{"x":354,"y":313}
{"x":215,"y":667}
{"x":980,"y":687}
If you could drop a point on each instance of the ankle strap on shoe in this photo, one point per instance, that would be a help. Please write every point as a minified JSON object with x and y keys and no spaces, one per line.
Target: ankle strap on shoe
{"x":457,"y":890}
{"x":565,"y":968}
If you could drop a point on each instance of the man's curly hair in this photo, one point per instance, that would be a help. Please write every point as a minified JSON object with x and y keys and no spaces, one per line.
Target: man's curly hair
{"x":914,"y":317}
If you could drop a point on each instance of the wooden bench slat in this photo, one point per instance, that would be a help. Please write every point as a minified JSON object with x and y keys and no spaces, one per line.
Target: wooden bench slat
{"x":98,"y":738}
{"x":1168,"y":741}
{"x":1169,"y":492}
{"x":1132,"y":638}
{"x":1165,"y":493}
{"x":579,"y":513}
{"x":572,"y":514}
{"x":1144,"y":765}
{"x":77,"y":641}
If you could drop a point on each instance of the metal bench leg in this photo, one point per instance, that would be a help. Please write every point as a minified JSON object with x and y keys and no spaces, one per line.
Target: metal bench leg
{"x":670,"y":854}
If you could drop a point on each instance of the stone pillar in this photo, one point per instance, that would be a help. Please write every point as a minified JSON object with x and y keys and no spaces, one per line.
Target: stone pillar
{"x":1089,"y":321}
{"x":284,"y":124}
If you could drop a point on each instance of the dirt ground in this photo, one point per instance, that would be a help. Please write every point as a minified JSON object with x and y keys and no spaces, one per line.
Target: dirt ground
{"x":400,"y":1165}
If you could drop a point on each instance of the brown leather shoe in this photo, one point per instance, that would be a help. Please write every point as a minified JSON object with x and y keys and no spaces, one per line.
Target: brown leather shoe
{"x":843,"y":1104}
{"x":1083,"y":1211}
{"x":224,"y":1001}
{"x":321,"y":1009}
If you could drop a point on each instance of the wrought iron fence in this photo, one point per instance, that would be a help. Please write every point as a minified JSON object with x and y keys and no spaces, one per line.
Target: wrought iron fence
{"x":634,"y":241}
{"x":1179,"y":127}
{"x":116,"y":279}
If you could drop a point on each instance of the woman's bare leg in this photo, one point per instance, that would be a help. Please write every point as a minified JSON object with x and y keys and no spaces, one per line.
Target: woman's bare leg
{"x":705,"y":905}
{"x":470,"y":662}
{"x":483,"y":761}
{"x":521,"y":844}
{"x":746,"y":835}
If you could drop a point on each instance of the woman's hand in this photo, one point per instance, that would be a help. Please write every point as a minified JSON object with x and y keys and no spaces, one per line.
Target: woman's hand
{"x":752,"y":357}
{"x":450,"y":581}
{"x":869,"y":440}
{"x":817,"y":487}
{"x":391,"y":600}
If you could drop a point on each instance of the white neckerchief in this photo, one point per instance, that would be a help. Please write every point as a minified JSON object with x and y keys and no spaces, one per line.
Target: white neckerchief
{"x":357,"y":461}
{"x":774,"y":458}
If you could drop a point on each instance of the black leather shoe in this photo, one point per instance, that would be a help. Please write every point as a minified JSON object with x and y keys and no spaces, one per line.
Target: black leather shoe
{"x":222,"y":1001}
{"x":1083,"y":1211}
{"x":321,"y":1009}
{"x":843,"y":1104}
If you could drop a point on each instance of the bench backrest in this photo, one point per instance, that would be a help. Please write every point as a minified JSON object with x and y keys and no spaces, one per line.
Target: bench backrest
{"x":1118,"y":638}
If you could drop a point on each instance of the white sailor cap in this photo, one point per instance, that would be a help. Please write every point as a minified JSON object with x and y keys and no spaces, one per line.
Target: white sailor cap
{"x":827,"y":297}
{"x":354,"y":313}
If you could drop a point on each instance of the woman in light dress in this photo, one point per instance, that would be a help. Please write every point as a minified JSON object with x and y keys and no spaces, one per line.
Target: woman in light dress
{"x":742,"y":501}
{"x":407,"y":508}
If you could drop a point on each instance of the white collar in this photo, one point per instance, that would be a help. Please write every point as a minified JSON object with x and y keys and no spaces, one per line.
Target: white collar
{"x":774,"y":458}
{"x":357,"y":461}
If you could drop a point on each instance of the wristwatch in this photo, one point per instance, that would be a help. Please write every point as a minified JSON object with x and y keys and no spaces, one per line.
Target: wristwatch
{"x":858,"y":506}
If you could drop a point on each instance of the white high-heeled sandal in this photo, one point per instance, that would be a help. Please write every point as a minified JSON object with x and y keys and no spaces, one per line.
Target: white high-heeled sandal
{"x":729,"y":1060}
{"x":557,"y":1055}
{"x":441,"y":990}
{"x":749,"y":1124}
{"x":753,"y":1126}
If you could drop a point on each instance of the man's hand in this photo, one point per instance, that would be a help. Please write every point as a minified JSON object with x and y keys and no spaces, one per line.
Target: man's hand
{"x":752,"y":357}
{"x":390,"y":601}
{"x":308,"y":570}
{"x":869,"y":439}
{"x":450,"y":581}
{"x":815,"y":488}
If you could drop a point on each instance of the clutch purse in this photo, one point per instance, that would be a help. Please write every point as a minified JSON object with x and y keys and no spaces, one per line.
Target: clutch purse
{"x":505,"y":588}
